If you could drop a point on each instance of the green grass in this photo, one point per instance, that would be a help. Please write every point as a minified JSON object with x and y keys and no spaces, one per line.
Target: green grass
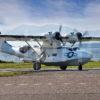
{"x":15,"y":65}
{"x":7,"y":74}
{"x":89,"y":65}
{"x":92,"y":64}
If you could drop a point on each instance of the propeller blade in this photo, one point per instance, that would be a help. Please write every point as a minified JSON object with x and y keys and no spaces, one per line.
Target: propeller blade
{"x":60,"y":28}
{"x":85,"y":33}
{"x":79,"y":35}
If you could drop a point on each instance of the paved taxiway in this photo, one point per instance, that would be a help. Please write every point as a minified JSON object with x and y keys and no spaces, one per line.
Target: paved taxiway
{"x":52,"y":85}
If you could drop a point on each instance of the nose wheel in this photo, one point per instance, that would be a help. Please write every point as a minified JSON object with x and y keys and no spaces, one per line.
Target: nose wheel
{"x":80,"y":67}
{"x":37,"y":66}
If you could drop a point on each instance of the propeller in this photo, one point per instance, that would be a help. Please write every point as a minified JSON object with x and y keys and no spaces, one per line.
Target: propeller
{"x":79,"y":36}
{"x":60,"y":28}
{"x":58,"y":34}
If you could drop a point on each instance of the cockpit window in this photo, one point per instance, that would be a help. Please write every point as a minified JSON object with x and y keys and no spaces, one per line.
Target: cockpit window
{"x":54,"y":54}
{"x":70,"y":49}
{"x":73,"y":49}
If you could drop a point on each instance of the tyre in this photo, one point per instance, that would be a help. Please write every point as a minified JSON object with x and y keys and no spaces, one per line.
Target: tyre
{"x":63,"y":67}
{"x":37,"y":66}
{"x":80,"y":67}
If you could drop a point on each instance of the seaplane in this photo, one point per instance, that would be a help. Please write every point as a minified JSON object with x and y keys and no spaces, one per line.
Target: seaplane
{"x":51,"y":49}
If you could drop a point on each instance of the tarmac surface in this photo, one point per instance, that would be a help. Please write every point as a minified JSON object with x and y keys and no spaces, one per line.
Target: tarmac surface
{"x":52,"y":85}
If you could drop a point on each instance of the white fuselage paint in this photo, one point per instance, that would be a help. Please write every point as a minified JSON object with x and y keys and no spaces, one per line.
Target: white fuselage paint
{"x":61,"y":56}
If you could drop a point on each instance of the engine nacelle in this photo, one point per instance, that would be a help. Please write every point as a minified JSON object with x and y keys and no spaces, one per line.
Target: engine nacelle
{"x":72,"y":38}
{"x":57,"y":36}
{"x":53,"y":40}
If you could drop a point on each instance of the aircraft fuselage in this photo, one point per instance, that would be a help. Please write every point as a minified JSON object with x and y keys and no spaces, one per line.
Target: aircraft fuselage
{"x":61,"y":56}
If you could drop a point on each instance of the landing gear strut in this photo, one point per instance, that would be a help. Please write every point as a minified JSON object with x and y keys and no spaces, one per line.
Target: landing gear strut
{"x":80,"y":67}
{"x":37,"y":66}
{"x":63,"y":67}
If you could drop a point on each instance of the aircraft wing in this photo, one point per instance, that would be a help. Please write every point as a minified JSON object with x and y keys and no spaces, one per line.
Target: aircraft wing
{"x":20,"y":37}
{"x":42,"y":38}
{"x":91,"y":38}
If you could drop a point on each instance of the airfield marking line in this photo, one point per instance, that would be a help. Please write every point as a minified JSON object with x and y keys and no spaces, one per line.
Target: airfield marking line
{"x":37,"y":84}
{"x":7,"y":84}
{"x":82,"y":83}
{"x":61,"y":76}
{"x":67,"y":83}
{"x":49,"y":83}
{"x":23,"y":84}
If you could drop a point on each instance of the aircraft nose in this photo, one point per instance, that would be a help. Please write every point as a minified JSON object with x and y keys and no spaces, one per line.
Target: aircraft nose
{"x":84,"y":57}
{"x":87,"y":55}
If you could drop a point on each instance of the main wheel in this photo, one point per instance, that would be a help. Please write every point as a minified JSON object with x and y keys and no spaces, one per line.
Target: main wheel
{"x":37,"y":66}
{"x":80,"y":67}
{"x":63,"y":67}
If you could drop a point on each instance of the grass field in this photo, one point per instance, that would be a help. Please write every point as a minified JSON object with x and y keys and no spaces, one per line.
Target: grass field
{"x":15,"y":65}
{"x":89,"y":65}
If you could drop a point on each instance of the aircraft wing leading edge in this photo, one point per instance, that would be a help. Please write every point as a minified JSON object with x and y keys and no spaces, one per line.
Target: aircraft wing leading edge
{"x":20,"y":37}
{"x":42,"y":38}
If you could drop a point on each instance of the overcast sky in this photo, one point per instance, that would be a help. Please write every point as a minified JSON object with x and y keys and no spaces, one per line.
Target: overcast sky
{"x":80,"y":14}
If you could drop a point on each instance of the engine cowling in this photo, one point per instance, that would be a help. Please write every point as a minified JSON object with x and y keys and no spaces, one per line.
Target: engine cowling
{"x":57,"y":36}
{"x":79,"y":35}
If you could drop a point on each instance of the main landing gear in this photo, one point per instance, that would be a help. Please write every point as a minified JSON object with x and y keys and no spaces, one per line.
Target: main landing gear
{"x":80,"y":67}
{"x":37,"y":66}
{"x":63,"y":67}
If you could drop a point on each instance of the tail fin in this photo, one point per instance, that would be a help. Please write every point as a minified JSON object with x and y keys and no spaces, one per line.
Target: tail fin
{"x":5,"y":47}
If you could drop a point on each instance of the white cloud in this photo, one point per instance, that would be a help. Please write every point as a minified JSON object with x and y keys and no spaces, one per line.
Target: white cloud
{"x":92,"y":16}
{"x":13,"y":13}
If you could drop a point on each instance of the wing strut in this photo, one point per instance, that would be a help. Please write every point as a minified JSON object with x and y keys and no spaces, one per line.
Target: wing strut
{"x":42,"y":49}
{"x":31,"y":47}
{"x":42,"y":56}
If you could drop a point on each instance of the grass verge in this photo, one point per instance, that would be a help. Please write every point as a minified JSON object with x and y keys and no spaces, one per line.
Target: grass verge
{"x":15,"y":65}
{"x":7,"y":74}
{"x":89,"y":65}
